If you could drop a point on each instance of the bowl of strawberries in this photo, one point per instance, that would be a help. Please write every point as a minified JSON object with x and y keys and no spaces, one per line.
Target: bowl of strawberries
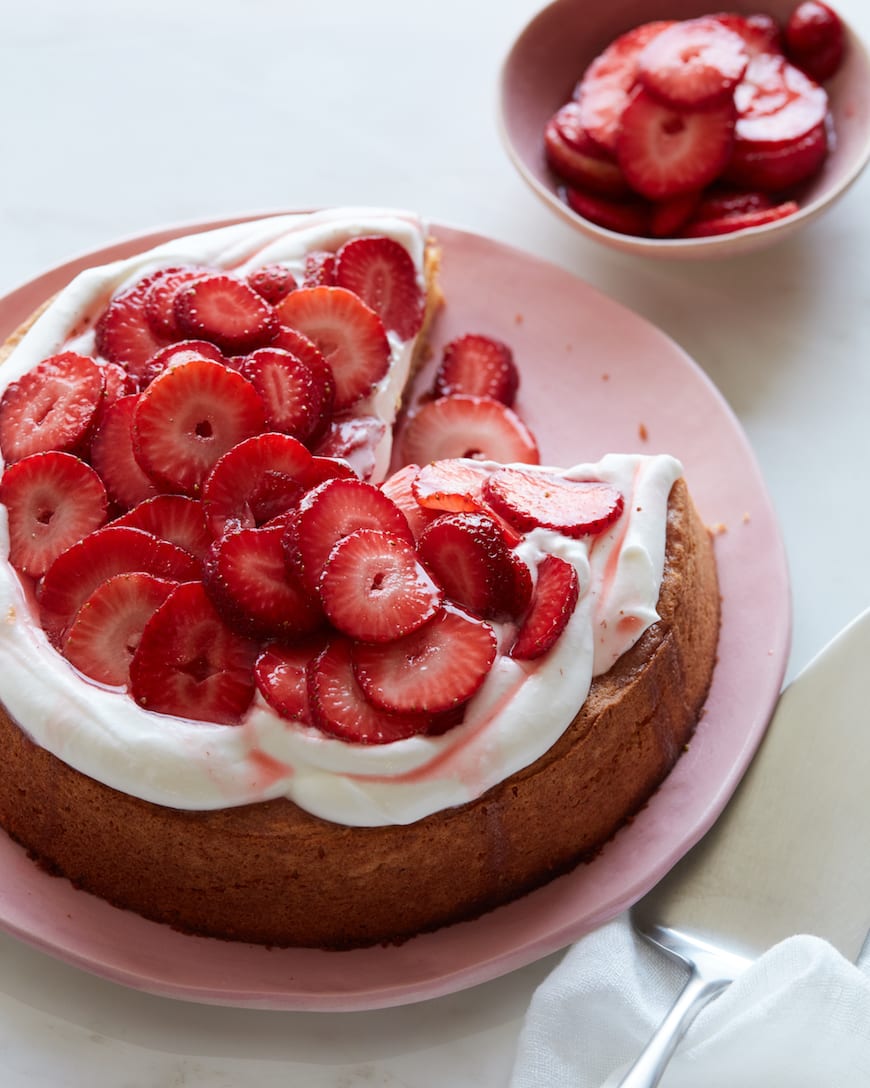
{"x":678,"y":130}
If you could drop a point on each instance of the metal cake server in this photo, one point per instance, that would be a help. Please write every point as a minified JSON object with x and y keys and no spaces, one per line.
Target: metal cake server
{"x":789,"y":855}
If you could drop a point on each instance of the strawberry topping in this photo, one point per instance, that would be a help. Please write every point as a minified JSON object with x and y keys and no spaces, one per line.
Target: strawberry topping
{"x":400,"y":488}
{"x":226,"y":311}
{"x":272,"y":282}
{"x":298,"y":396}
{"x":52,"y":407}
{"x":159,"y":299}
{"x":123,"y":333}
{"x":188,"y":417}
{"x":555,"y":597}
{"x":382,"y":273}
{"x":319,"y":269}
{"x":373,"y":587}
{"x":113,"y":458}
{"x":52,"y":500}
{"x":480,"y":366}
{"x":281,"y":674}
{"x":175,"y":518}
{"x":189,"y":663}
{"x":572,"y":507}
{"x":181,"y":352}
{"x":465,"y":426}
{"x":435,"y":668}
{"x":107,"y":628}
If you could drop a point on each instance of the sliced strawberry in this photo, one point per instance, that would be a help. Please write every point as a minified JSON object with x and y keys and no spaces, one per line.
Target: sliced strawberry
{"x":190,"y":664}
{"x":255,"y":481}
{"x":669,"y":216}
{"x":113,"y":458}
{"x":665,"y":151}
{"x":814,"y":39}
{"x":480,"y":366}
{"x":107,"y":628}
{"x":718,"y":202}
{"x":321,"y":469}
{"x":727,"y":224}
{"x":118,"y":383}
{"x":777,"y":103}
{"x":181,"y":352}
{"x":470,"y":558}
{"x":463,"y":426}
{"x":52,"y":500}
{"x":778,"y":166}
{"x":435,"y":668}
{"x":188,"y":418}
{"x":123,"y":333}
{"x":298,"y":398}
{"x":602,"y":93}
{"x":349,"y":333}
{"x":555,"y":596}
{"x":399,"y":488}
{"x":339,"y":707}
{"x":319,"y":269}
{"x":577,"y":158}
{"x":159,"y":301}
{"x":373,"y":587}
{"x":760,"y":33}
{"x":454,"y":484}
{"x":622,"y":216}
{"x":225,"y":311}
{"x":281,"y":674}
{"x":175,"y":518}
{"x":330,"y":512}
{"x":353,"y":439}
{"x":51,"y":407}
{"x":382,"y":273}
{"x":272,"y":281}
{"x":77,"y":572}
{"x":694,"y":63}
{"x":248,"y":582}
{"x":571,"y":507}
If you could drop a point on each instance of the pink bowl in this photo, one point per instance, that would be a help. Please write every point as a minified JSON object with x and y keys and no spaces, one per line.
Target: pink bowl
{"x":552,"y":52}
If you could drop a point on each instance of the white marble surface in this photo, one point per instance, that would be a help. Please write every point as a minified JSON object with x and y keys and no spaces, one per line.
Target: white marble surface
{"x":119,"y":117}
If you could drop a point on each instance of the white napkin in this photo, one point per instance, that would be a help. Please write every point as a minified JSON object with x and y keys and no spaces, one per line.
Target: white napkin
{"x":799,"y":1017}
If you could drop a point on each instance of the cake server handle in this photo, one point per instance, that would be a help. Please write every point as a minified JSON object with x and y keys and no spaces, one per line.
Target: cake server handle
{"x":710,"y":974}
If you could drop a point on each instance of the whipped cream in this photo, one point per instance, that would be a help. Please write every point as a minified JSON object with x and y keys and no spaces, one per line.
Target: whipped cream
{"x":522,"y":708}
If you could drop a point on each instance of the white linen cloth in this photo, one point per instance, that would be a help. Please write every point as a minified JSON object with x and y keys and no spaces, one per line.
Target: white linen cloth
{"x":799,"y":1017}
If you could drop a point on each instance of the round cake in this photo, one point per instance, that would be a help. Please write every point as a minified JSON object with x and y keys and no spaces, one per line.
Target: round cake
{"x":331,"y":796}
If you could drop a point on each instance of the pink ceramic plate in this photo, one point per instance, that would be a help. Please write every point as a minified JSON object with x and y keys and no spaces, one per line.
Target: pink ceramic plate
{"x":596,"y":378}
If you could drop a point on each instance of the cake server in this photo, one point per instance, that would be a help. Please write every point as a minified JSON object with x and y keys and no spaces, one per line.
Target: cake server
{"x":789,"y":855}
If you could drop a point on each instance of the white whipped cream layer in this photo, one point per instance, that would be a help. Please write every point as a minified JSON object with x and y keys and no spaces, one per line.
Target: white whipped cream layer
{"x":517,"y":715}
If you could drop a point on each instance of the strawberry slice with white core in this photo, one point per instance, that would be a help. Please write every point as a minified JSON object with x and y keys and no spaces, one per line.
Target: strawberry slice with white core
{"x":113,"y":458}
{"x":118,"y":383}
{"x":815,"y":40}
{"x":347,"y":332}
{"x":159,"y":300}
{"x":727,"y":224}
{"x":108,"y":626}
{"x":470,"y":558}
{"x":339,"y":707}
{"x":575,"y":508}
{"x":399,"y":487}
{"x":248,"y":582}
{"x":373,"y":587}
{"x":602,"y":93}
{"x":298,"y":398}
{"x":694,"y":63}
{"x":575,"y":156}
{"x":465,"y":426}
{"x":52,"y":407}
{"x":664,"y":151}
{"x":281,"y":675}
{"x":319,"y":269}
{"x":181,"y":352}
{"x":479,"y":366}
{"x":778,"y":166}
{"x":52,"y":500}
{"x":557,"y":590}
{"x":452,"y":484}
{"x":272,"y":281}
{"x":189,"y":417}
{"x":777,"y":103}
{"x":257,"y":480}
{"x":760,"y":33}
{"x":435,"y":668}
{"x":226,"y":311}
{"x":175,"y":518}
{"x":382,"y":273}
{"x":123,"y":332}
{"x":77,"y":572}
{"x":330,"y":512}
{"x":190,"y":664}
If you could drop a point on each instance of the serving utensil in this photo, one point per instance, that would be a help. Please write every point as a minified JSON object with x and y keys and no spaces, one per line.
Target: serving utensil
{"x":789,"y":855}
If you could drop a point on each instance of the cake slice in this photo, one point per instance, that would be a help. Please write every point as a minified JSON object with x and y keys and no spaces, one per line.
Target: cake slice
{"x":259,"y":688}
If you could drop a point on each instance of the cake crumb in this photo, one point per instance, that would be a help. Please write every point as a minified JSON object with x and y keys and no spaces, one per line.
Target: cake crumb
{"x":643,"y":433}
{"x":719,"y":528}
{"x":605,"y":377}
{"x":747,"y":517}
{"x":518,"y":319}
{"x":11,"y":615}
